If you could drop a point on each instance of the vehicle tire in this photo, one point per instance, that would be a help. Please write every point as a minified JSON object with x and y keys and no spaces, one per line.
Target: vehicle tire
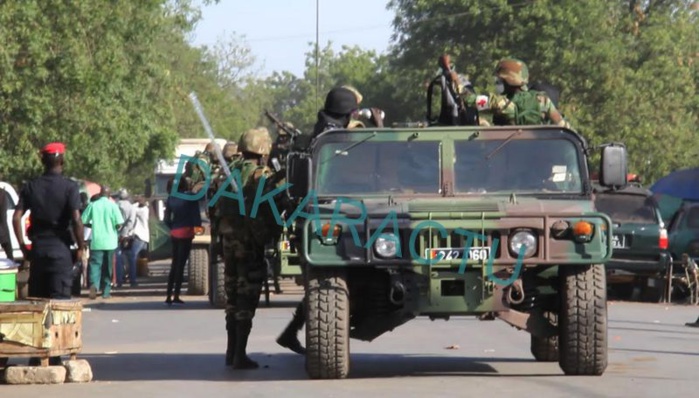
{"x":583,"y":320}
{"x":198,"y":282}
{"x":217,"y":288}
{"x":327,"y":324}
{"x":545,"y":349}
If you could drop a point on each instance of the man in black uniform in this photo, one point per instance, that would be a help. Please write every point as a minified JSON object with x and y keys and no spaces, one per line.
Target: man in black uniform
{"x":54,"y":201}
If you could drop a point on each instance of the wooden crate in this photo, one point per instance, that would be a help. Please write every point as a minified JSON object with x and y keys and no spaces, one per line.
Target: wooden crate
{"x":40,"y":328}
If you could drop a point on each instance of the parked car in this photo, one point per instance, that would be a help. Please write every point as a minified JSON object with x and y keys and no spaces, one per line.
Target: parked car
{"x":684,"y":232}
{"x":640,"y":242}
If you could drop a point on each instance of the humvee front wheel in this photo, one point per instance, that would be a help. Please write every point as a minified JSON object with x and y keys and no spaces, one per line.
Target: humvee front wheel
{"x":327,"y":324}
{"x":545,"y":349}
{"x":583,"y":320}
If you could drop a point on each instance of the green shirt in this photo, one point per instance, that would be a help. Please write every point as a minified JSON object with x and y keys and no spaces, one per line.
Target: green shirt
{"x":104,"y":218}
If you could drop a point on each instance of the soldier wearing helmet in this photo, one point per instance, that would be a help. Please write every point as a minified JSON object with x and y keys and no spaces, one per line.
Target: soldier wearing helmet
{"x":340,"y":104}
{"x":244,"y":239}
{"x":513,"y":103}
{"x":230,"y":151}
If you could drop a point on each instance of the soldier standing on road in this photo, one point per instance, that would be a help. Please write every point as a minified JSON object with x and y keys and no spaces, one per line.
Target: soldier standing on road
{"x":54,"y":203}
{"x":244,"y":240}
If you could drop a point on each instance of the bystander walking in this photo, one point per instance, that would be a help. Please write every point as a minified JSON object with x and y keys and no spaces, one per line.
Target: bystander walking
{"x":128,"y":212}
{"x":181,"y":216}
{"x":104,"y":218}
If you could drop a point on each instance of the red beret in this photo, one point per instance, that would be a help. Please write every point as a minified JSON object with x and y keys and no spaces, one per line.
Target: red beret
{"x":53,"y":148}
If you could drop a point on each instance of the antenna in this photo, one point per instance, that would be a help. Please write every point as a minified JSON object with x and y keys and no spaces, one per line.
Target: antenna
{"x":317,"y":51}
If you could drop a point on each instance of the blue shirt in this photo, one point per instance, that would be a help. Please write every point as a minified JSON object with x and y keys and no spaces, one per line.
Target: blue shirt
{"x":181,"y":213}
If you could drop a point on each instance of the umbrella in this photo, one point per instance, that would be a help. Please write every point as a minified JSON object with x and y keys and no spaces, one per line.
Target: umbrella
{"x":682,"y":184}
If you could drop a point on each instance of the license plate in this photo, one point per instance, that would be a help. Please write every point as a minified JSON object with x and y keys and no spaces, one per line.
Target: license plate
{"x":618,"y":242}
{"x":449,"y":253}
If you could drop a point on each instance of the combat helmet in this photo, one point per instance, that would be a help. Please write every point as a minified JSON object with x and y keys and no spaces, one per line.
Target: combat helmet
{"x":230,"y":150}
{"x":288,"y":125}
{"x":513,"y":71}
{"x":257,"y":141}
{"x":209,"y":148}
{"x":355,"y":91}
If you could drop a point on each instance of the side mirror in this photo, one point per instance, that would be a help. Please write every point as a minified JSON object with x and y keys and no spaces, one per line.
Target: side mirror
{"x":298,"y":174}
{"x":148,"y":191}
{"x":613,"y":166}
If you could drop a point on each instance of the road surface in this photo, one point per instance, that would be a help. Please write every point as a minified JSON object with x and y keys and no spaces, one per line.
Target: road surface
{"x":138,"y":347}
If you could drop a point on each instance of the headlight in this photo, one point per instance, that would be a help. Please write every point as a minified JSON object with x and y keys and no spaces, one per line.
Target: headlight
{"x":523,"y":238}
{"x":386,"y":245}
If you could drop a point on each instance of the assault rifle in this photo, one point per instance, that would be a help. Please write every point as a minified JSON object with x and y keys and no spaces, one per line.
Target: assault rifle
{"x":293,"y":133}
{"x":454,"y":111}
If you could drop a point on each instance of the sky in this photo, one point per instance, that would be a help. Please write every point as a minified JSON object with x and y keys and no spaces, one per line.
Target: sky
{"x":278,"y":31}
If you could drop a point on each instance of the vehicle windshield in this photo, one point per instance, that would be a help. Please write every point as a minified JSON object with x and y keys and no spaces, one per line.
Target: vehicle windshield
{"x":623,"y":208}
{"x":376,"y":167}
{"x":518,"y":165}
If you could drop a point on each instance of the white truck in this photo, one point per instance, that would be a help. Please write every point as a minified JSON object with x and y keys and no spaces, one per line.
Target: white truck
{"x":198,"y":277}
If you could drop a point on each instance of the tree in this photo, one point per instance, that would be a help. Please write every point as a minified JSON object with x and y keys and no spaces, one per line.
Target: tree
{"x":614,"y":61}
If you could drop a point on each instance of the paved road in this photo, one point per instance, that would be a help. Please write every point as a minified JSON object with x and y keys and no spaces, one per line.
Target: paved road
{"x":138,"y":347}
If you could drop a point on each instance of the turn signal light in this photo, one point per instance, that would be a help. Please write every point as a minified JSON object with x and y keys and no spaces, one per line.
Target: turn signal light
{"x":662,"y":242}
{"x":582,"y":230}
{"x":326,"y":229}
{"x":198,"y":230}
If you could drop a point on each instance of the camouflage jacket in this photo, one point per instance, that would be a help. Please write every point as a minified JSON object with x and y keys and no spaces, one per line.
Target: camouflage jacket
{"x":263,"y":227}
{"x":196,"y":174}
{"x":502,"y":106}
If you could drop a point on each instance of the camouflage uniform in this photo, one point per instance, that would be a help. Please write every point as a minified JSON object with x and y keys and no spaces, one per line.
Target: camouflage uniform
{"x":218,"y":176}
{"x":515,"y":74}
{"x":244,"y":240}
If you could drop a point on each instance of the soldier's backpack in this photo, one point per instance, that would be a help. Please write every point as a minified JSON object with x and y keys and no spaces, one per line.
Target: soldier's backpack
{"x":528,"y":110}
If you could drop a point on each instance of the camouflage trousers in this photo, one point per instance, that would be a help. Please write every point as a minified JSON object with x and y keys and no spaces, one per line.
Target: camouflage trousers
{"x":244,"y":274}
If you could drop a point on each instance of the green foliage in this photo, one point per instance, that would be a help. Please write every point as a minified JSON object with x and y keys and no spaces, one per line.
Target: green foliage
{"x":627,"y":70}
{"x":111,"y":79}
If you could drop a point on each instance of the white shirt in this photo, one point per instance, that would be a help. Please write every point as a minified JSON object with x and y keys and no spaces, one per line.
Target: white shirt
{"x":140,"y":228}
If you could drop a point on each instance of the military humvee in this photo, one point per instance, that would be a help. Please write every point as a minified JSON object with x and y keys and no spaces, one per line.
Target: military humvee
{"x":493,"y":222}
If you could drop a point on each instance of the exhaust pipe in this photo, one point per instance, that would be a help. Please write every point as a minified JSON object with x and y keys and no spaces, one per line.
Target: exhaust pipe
{"x":515,"y":293}
{"x":397,"y":294}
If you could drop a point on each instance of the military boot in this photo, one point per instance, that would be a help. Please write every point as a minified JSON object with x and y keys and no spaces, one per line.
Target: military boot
{"x":230,"y":349}
{"x":289,"y":337}
{"x":240,"y":359}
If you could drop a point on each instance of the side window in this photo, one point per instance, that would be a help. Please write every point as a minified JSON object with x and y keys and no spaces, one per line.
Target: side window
{"x":693,"y":218}
{"x":675,"y":220}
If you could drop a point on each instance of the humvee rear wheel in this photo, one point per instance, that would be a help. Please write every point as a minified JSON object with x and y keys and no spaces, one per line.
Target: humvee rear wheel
{"x":583,"y":320}
{"x":327,"y":324}
{"x":198,"y":282}
{"x":545,"y":349}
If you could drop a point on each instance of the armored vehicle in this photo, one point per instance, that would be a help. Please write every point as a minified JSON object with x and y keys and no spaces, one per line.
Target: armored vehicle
{"x":492,"y":222}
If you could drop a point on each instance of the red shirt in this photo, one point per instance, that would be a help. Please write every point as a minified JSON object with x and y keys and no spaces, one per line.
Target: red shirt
{"x":182,"y":232}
